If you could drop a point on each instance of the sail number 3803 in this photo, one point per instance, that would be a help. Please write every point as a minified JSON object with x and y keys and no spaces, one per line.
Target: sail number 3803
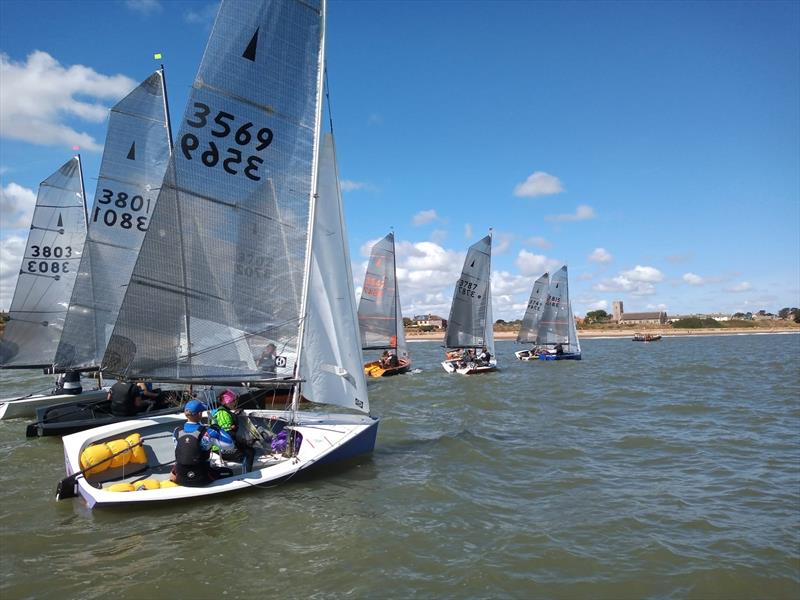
{"x":224,"y":125}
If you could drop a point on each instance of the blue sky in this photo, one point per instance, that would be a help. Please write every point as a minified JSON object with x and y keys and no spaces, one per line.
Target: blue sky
{"x":653,"y":147}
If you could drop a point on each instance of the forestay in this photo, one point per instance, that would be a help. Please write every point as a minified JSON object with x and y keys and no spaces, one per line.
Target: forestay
{"x":220,"y":272}
{"x":49,"y":267}
{"x":528,"y":331}
{"x":331,"y":362}
{"x":135,"y":158}
{"x":380,"y":318}
{"x":469,"y":324}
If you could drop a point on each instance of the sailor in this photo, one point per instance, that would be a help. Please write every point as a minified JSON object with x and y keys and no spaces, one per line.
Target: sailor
{"x":268,"y":359}
{"x":193,"y":443}
{"x":126,"y":399}
{"x":69,"y":382}
{"x":485,"y":355}
{"x":232,"y":420}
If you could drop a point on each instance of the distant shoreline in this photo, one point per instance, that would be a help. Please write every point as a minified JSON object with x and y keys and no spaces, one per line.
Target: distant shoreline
{"x":625,"y":333}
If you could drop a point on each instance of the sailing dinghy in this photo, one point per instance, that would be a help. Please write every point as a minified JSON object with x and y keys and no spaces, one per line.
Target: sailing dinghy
{"x":246,"y":248}
{"x":470,"y":325}
{"x":529,"y":329}
{"x":135,"y":157}
{"x":46,"y":278}
{"x":550,"y":325}
{"x":379,"y":316}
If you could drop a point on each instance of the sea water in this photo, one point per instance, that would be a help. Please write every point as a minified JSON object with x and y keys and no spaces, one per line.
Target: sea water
{"x":659,"y":470}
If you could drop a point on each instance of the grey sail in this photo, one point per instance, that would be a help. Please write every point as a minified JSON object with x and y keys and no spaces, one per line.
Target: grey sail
{"x":470,"y":310}
{"x":134,"y":161}
{"x":528,"y":331}
{"x":377,"y":309}
{"x":221,"y":268}
{"x":49,"y":267}
{"x":555,"y":326}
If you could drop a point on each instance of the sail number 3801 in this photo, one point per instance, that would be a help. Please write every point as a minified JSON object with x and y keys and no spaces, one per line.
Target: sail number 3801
{"x":224,"y":125}
{"x":121,"y":210}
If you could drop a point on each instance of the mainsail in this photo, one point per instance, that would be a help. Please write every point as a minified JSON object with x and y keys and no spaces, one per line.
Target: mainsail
{"x":135,"y":158}
{"x":557,"y":323}
{"x":529,"y":330}
{"x":470,"y":322}
{"x":222,"y":265}
{"x":331,"y":362}
{"x":49,"y":267}
{"x":380,"y":318}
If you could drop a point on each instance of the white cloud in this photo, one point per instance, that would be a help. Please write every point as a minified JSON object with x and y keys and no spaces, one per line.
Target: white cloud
{"x":638,"y":281}
{"x":11,"y":251}
{"x":425,"y":216}
{"x":351,"y":186}
{"x":659,"y":306}
{"x":375,"y":119}
{"x":644,"y":274}
{"x":438,"y":236}
{"x":538,"y":184}
{"x":693,"y":279}
{"x":366,"y":247}
{"x":468,"y":231}
{"x":584,"y":212}
{"x":533,"y":265}
{"x":744,"y":286}
{"x":202,"y":16}
{"x":39,"y":95}
{"x":585,"y":276}
{"x":600,"y":255}
{"x":144,"y":7}
{"x":539,"y":242}
{"x":501,"y":242}
{"x":597,"y":305}
{"x":16,"y":206}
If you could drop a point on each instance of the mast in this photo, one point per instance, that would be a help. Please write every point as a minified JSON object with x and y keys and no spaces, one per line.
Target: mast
{"x":311,"y":209}
{"x":166,"y":106}
{"x":83,"y":192}
{"x":163,"y":76}
{"x":396,"y":296}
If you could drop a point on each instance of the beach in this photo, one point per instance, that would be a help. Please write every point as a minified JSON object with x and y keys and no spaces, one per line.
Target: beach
{"x":629,"y":331}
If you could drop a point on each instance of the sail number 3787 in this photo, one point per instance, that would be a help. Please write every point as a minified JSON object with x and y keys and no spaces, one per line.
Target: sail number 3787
{"x":225,"y":125}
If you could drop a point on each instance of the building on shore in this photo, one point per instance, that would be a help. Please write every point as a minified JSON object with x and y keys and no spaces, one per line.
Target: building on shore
{"x":429,"y":321}
{"x":638,"y":318}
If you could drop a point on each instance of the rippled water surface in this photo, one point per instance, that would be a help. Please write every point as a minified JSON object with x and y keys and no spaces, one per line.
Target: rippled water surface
{"x":661,"y":470}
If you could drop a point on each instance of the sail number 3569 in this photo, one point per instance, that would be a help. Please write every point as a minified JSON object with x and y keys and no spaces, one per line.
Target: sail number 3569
{"x":225,"y":125}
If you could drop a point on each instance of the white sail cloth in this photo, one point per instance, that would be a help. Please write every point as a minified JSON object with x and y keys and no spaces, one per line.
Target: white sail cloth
{"x":135,"y":157}
{"x":470,"y":323}
{"x":48,"y":272}
{"x":331,"y":360}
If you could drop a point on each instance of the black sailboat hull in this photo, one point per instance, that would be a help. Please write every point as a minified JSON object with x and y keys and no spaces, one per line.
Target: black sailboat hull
{"x":70,"y":417}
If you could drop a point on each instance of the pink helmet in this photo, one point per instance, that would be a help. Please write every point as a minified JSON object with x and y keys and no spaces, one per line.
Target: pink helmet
{"x":228,"y":397}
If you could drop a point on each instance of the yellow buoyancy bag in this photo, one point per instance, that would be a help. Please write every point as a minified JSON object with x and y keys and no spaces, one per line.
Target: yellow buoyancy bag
{"x":147,"y":484}
{"x":98,"y":457}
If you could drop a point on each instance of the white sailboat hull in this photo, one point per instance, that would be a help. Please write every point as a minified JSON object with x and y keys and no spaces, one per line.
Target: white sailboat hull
{"x":26,"y":406}
{"x":326,"y":438}
{"x":451,"y":366}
